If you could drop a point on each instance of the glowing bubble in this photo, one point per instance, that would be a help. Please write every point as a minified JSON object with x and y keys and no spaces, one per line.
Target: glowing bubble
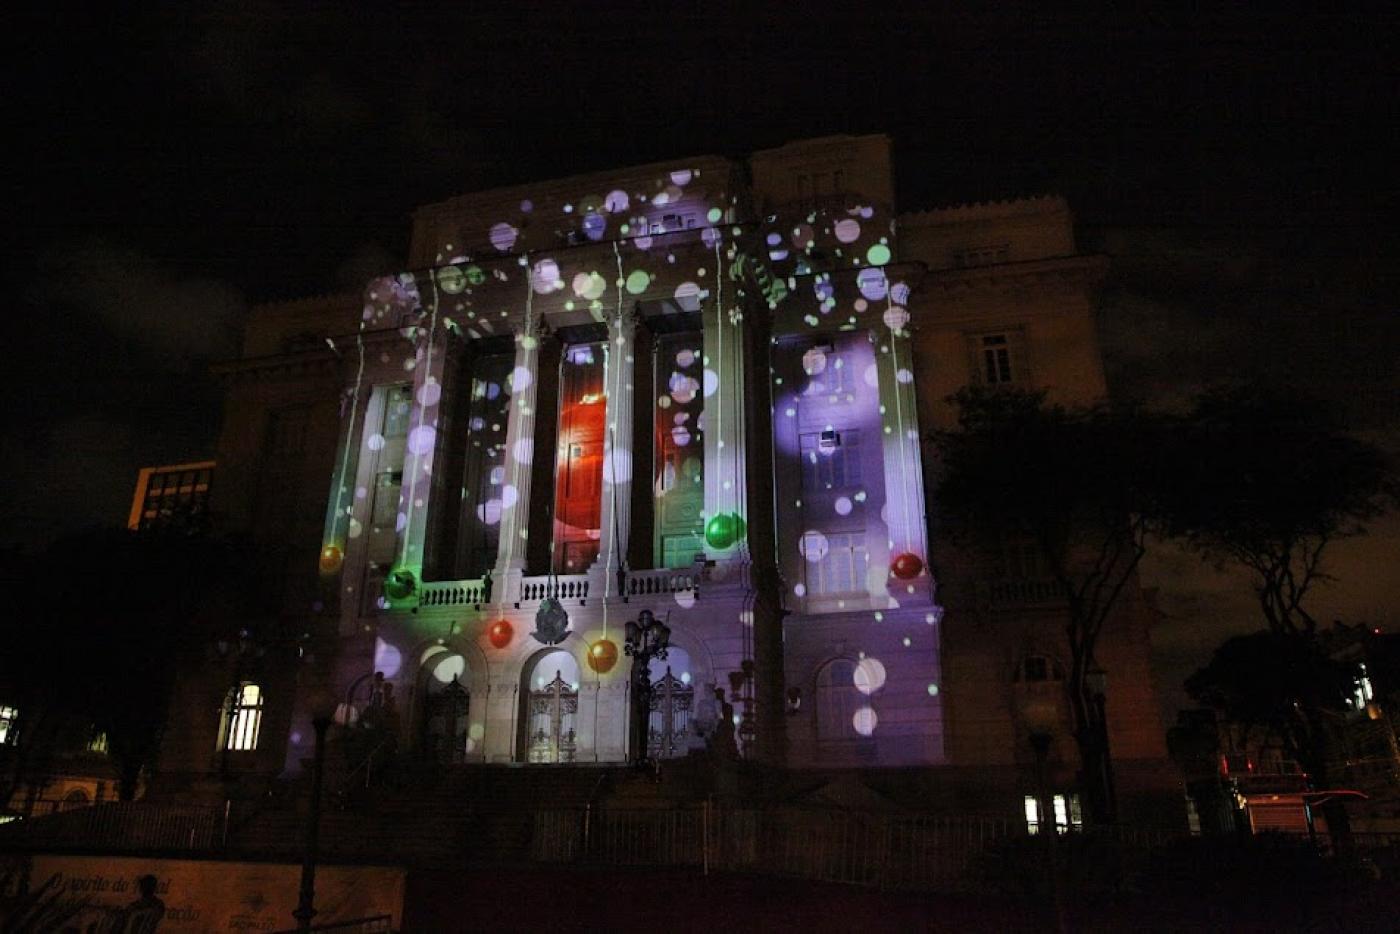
{"x":680,"y":435}
{"x":714,"y":215}
{"x":896,"y":317}
{"x":637,"y":281}
{"x":500,"y":633}
{"x":724,"y":530}
{"x":616,"y":201}
{"x":375,"y":442}
{"x":429,"y":394}
{"x":685,"y":358}
{"x":877,"y":255}
{"x":476,"y":275}
{"x":594,"y":225}
{"x":452,"y":280}
{"x":544,"y":278}
{"x":904,"y":375}
{"x":843,"y":506}
{"x":387,"y":658}
{"x":869,"y":675}
{"x":503,"y":236}
{"x":871,"y":376}
{"x":399,"y":585}
{"x":711,"y":236}
{"x":899,"y":293}
{"x":799,"y":589}
{"x":421,"y":439}
{"x":813,"y":545}
{"x":814,"y":361}
{"x":933,"y":690}
{"x":617,"y":466}
{"x":523,"y":450}
{"x":683,"y":388}
{"x":664,"y":402}
{"x":332,"y":557}
{"x":356,"y":529}
{"x":681,"y":177}
{"x":509,"y":496}
{"x":449,"y":668}
{"x":864,"y":720}
{"x":589,"y":285}
{"x":687,"y":294}
{"x":847,"y":231}
{"x":489,"y":512}
{"x":872,"y":284}
{"x":711,"y":382}
{"x":685,"y":599}
{"x":823,"y":288}
{"x":520,"y":379}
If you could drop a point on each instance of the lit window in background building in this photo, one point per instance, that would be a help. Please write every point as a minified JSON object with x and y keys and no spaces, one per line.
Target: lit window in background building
{"x":8,"y":718}
{"x":1067,"y":813}
{"x":243,"y":718}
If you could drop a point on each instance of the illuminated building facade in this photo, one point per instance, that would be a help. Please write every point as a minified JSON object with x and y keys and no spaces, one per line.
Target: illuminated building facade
{"x":699,"y":388}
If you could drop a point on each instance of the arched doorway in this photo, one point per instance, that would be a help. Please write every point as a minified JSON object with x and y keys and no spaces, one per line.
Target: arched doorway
{"x":551,"y":707}
{"x":672,"y":703}
{"x":444,"y":722}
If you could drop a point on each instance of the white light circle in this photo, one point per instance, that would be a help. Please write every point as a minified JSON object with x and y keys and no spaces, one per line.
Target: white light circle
{"x":869,"y":676}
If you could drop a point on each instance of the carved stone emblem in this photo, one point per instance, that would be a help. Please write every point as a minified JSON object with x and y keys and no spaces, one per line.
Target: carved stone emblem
{"x":551,"y":622}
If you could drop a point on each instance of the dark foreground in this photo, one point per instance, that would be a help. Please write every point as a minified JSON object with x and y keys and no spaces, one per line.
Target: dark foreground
{"x":668,"y":901}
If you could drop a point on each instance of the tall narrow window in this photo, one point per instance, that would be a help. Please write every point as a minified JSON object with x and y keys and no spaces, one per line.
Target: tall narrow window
{"x":483,"y":488}
{"x":1067,"y":814}
{"x":243,"y":710}
{"x":680,"y":450}
{"x":578,"y":471}
{"x":385,"y":441}
{"x":9,"y":716}
{"x":837,"y":701}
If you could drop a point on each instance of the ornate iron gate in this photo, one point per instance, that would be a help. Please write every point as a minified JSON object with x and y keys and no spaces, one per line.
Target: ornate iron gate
{"x":445,"y":723}
{"x":552,"y":709}
{"x":671,"y":703}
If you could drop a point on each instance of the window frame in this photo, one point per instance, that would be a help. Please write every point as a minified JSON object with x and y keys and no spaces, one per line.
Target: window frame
{"x":242,"y":718}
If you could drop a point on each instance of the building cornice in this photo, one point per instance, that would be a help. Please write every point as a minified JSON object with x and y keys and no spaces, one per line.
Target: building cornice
{"x":1085,"y":271}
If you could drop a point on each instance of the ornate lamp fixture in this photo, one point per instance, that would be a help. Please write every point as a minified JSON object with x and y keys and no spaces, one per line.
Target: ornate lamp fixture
{"x":646,"y":638}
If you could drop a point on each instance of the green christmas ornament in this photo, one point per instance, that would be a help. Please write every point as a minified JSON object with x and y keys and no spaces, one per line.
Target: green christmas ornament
{"x":724,"y":530}
{"x":399,"y":585}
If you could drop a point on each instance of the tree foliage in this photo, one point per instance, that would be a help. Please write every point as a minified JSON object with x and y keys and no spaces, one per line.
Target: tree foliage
{"x":1270,"y":481}
{"x":1084,"y":484}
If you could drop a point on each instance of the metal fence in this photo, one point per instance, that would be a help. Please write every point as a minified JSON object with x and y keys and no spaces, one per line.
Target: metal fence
{"x":120,"y":826}
{"x":378,"y":924}
{"x":874,"y":849}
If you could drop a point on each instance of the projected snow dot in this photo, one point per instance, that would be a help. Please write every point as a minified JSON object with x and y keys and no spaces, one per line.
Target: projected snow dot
{"x":843,"y":506}
{"x":637,"y":281}
{"x":589,"y":285}
{"x":375,"y":442}
{"x":711,"y":382}
{"x":896,"y":317}
{"x":452,"y":280}
{"x":869,"y":675}
{"x":814,"y":361}
{"x":685,"y":358}
{"x":502,"y":236}
{"x":933,"y":690}
{"x":421,"y":439}
{"x":616,"y":201}
{"x":387,"y":658}
{"x":524,"y":450}
{"x":878,"y":255}
{"x":544,"y":278}
{"x":681,"y":177}
{"x":520,"y":379}
{"x":863,"y":721}
{"x":429,"y":394}
{"x":872,"y":284}
{"x":685,"y":599}
{"x":449,"y":668}
{"x":847,"y":231}
{"x":899,"y":293}
{"x":813,"y":546}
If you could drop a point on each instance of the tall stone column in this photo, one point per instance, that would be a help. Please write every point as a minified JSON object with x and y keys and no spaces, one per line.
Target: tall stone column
{"x":907,"y":562}
{"x":520,"y":455}
{"x":617,"y":449}
{"x":726,"y":507}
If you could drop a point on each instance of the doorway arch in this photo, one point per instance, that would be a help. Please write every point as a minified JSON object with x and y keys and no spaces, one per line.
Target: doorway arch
{"x":549,"y":709}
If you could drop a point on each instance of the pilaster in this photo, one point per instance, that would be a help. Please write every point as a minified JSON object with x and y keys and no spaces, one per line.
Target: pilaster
{"x":617,"y":450}
{"x":520,"y":454}
{"x":906,"y":563}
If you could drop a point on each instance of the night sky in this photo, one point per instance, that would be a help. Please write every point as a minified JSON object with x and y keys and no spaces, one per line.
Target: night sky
{"x":170,"y":165}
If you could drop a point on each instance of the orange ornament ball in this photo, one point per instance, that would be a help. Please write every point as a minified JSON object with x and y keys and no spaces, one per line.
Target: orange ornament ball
{"x":602,"y":656}
{"x":500,"y":633}
{"x":907,"y":566}
{"x":332,"y":557}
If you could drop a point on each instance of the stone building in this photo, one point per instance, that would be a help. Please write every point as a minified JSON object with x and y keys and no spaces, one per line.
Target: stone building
{"x":702,"y":389}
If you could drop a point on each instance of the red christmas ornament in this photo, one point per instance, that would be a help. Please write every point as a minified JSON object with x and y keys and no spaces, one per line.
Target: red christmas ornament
{"x":500,"y":633}
{"x":602,"y":656}
{"x":907,"y":566}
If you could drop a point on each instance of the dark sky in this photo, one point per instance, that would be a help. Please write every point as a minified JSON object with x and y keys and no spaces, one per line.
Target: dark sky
{"x":170,"y":164}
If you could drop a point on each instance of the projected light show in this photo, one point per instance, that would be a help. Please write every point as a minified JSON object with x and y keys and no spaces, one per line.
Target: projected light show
{"x":543,"y":314}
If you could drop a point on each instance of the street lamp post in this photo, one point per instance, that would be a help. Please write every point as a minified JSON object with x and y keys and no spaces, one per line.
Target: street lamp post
{"x":646,"y":638}
{"x":322,"y":712}
{"x":1041,"y":719}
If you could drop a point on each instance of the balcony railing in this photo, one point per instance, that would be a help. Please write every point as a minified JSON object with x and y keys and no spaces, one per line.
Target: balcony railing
{"x":564,"y":587}
{"x":663,"y":581}
{"x":454,"y":593}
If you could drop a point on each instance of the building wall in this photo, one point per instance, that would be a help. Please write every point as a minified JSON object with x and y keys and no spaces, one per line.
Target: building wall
{"x":806,"y":260}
